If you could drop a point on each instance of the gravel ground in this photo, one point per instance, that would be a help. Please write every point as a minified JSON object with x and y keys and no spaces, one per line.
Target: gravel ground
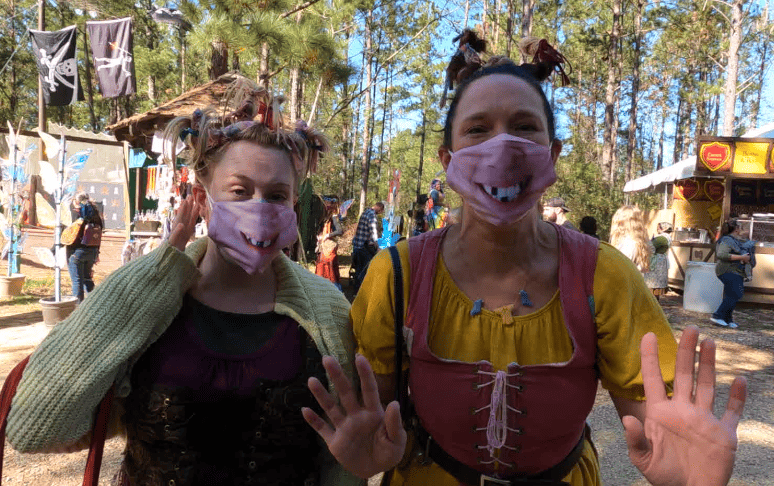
{"x":748,"y":351}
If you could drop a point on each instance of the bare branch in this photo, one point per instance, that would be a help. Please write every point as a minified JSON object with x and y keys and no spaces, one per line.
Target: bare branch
{"x":352,"y":98}
{"x":298,"y":8}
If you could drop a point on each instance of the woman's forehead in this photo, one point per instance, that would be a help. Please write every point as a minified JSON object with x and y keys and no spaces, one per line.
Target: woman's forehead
{"x":500,"y":94}
{"x":255,"y":161}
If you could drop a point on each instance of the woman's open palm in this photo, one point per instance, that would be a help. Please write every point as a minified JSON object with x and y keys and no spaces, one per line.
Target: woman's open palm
{"x":682,"y":442}
{"x":366,"y":439}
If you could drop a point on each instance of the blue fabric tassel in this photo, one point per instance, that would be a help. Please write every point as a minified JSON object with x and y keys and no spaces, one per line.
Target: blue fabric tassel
{"x":476,"y":307}
{"x":525,"y":299}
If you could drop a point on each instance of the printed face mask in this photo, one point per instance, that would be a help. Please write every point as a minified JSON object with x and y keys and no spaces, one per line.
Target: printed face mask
{"x":252,"y":232}
{"x":502,"y":178}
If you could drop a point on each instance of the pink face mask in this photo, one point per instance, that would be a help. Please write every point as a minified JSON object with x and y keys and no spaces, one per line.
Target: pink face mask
{"x":502,"y":178}
{"x":252,"y":232}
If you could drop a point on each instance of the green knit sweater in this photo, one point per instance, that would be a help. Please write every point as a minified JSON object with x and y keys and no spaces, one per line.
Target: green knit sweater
{"x":96,"y":347}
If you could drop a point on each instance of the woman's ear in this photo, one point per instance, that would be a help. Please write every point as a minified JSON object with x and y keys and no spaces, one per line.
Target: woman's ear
{"x":556,"y":149}
{"x":445,"y":156}
{"x":199,"y":193}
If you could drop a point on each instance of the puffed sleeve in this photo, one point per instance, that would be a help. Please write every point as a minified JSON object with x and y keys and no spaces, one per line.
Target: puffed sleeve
{"x":372,"y":313}
{"x":625,"y":311}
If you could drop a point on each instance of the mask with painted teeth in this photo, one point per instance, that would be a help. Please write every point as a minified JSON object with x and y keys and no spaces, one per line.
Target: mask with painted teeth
{"x":251,"y":233}
{"x":502,"y":178}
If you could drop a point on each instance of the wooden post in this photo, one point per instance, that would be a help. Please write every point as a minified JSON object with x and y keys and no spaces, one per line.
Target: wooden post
{"x":42,"y":120}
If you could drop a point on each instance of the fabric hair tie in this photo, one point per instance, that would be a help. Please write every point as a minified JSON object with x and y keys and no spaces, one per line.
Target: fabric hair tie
{"x":464,"y":62}
{"x":543,"y":52}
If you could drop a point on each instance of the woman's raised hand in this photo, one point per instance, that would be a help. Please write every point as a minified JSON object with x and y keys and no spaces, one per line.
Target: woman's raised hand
{"x":682,"y":442}
{"x":365,"y":439}
{"x":184,"y":224}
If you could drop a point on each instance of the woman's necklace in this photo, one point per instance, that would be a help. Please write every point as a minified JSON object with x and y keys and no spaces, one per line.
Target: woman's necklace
{"x":478,"y":303}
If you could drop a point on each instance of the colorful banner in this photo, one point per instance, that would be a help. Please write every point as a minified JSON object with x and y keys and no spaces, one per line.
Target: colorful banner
{"x":112,"y":50}
{"x":55,"y":54}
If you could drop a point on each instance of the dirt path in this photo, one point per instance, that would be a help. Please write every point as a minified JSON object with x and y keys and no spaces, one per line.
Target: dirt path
{"x":748,"y":351}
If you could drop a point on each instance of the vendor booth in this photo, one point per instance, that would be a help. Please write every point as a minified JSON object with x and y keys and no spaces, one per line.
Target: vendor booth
{"x":729,"y":177}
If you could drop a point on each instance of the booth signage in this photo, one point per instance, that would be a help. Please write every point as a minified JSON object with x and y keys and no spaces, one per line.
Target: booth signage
{"x":687,"y":190}
{"x":750,"y":158}
{"x":715,"y":190}
{"x":744,"y":192}
{"x":734,"y":155}
{"x":716,"y":156}
{"x":767,"y":192}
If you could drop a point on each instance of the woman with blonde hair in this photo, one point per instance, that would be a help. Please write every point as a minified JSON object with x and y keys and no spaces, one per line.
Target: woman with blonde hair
{"x":208,"y":347}
{"x":629,"y":236}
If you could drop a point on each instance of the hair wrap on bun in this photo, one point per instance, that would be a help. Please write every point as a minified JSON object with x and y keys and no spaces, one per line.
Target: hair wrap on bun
{"x":247,"y":112}
{"x":544,"y":53}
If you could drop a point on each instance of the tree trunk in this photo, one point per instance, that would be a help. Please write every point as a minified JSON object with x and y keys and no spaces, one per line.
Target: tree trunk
{"x":611,"y":96}
{"x":484,"y":19}
{"x":496,"y":25}
{"x":467,"y":11}
{"x":313,"y":110}
{"x":527,"y":8}
{"x":756,"y":108}
{"x":678,"y":132}
{"x":295,"y":84}
{"x":732,"y":69}
{"x":263,"y":70}
{"x":421,"y":154}
{"x":365,"y":164}
{"x":218,"y":60}
{"x":181,"y":32}
{"x":385,"y":104}
{"x":509,"y":29}
{"x":635,"y":90}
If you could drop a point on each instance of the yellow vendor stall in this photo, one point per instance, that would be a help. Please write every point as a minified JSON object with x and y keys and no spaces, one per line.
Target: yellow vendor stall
{"x":729,"y":177}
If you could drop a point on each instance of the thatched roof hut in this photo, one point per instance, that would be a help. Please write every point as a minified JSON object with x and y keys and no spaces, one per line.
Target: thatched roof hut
{"x":138,"y":129}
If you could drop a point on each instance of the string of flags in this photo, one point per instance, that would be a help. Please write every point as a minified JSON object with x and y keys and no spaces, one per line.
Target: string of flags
{"x":112,"y":50}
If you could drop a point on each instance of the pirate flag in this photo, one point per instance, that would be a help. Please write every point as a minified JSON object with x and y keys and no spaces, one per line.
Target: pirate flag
{"x":111,"y":48}
{"x":55,"y":53}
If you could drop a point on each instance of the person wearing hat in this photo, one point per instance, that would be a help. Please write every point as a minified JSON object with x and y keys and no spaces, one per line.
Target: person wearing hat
{"x":554,"y":212}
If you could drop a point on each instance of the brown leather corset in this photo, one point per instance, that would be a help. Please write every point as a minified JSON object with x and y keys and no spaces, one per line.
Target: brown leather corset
{"x":180,"y":437}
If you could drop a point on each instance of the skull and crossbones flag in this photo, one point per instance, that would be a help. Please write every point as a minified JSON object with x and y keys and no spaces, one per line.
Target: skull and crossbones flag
{"x":55,"y":53}
{"x":112,"y":47}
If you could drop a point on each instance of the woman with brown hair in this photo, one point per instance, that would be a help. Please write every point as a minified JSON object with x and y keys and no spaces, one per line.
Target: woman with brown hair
{"x":510,"y":322}
{"x":208,"y":347}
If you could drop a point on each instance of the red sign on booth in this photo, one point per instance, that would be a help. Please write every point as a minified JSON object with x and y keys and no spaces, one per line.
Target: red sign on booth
{"x":716,"y":156}
{"x":715,"y":190}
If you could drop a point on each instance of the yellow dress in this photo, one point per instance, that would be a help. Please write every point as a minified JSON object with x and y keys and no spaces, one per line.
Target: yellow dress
{"x":625,"y":310}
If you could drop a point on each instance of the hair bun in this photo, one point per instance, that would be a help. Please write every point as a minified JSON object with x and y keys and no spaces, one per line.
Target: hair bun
{"x":465,"y":61}
{"x":545,"y":58}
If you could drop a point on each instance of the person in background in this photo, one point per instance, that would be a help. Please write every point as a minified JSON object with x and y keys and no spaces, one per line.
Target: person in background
{"x":417,"y":215}
{"x":588,"y":225}
{"x":731,"y":260}
{"x":83,"y":253}
{"x":629,"y":236}
{"x":366,"y":241}
{"x":658,"y":277}
{"x":327,"y":246}
{"x":555,"y":211}
{"x":436,"y":206}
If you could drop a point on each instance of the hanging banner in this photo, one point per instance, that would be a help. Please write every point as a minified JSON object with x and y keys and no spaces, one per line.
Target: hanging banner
{"x":750,"y":158}
{"x":55,"y":53}
{"x":112,"y":47}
